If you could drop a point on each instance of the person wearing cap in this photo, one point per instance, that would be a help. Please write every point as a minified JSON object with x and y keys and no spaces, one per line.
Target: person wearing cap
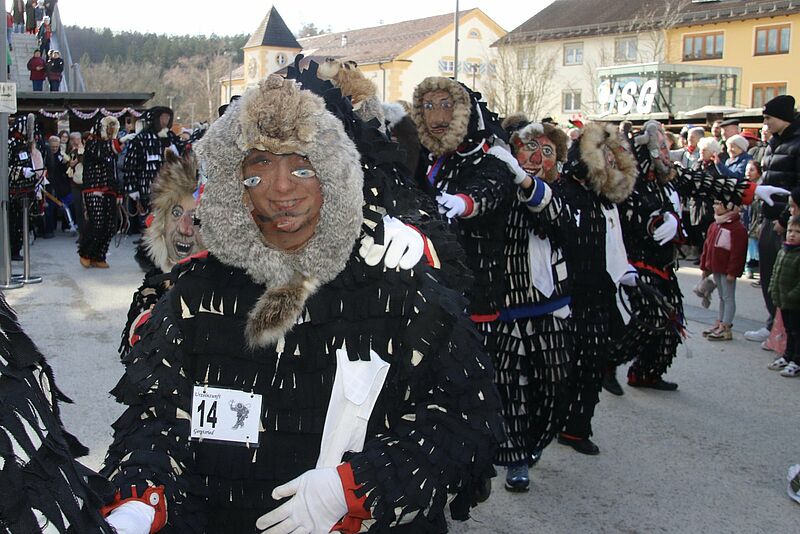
{"x":736,"y":164}
{"x":781,"y":168}
{"x":331,"y":395}
{"x":43,"y":35}
{"x":55,"y":70}
{"x":752,"y":139}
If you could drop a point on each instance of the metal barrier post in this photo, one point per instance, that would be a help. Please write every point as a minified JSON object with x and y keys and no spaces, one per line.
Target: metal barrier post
{"x":26,"y":277}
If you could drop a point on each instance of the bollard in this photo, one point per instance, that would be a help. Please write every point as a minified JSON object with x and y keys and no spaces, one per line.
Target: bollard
{"x":26,"y":277}
{"x":7,"y":281}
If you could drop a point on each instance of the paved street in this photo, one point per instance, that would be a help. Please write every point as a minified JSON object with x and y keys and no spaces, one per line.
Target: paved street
{"x":711,"y":457}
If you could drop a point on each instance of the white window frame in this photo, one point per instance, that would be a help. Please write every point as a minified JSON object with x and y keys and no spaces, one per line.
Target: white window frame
{"x":574,"y":58}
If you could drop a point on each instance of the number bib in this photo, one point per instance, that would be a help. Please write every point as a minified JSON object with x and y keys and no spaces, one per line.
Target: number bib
{"x":225,"y":415}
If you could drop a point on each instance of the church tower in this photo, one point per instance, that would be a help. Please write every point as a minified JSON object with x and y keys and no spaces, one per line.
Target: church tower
{"x":270,"y":48}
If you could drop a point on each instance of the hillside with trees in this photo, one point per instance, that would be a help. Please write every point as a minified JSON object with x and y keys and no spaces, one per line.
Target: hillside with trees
{"x":186,"y":68}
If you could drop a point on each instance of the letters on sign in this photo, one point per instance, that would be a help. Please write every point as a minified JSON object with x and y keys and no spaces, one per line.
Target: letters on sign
{"x":625,"y":99}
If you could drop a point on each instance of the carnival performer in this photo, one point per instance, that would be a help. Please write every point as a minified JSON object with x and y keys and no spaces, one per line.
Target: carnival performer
{"x":651,"y":228}
{"x":599,"y":174}
{"x":534,"y":335}
{"x":172,"y":236}
{"x":43,"y":488}
{"x":145,"y":154}
{"x":473,"y":187}
{"x":375,"y":402}
{"x":100,"y":192}
{"x":21,"y":176}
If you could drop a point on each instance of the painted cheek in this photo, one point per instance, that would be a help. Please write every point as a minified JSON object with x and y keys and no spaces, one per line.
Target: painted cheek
{"x":548,"y":164}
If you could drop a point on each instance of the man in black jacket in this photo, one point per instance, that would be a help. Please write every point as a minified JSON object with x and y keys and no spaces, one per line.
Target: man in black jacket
{"x":781,"y":166}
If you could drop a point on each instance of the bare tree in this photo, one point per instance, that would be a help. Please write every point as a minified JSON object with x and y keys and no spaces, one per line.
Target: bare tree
{"x":519,"y":80}
{"x":653,"y":24}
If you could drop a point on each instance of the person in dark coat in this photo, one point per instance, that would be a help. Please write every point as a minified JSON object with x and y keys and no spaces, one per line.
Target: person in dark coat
{"x":18,"y":12}
{"x":38,"y":70}
{"x":55,"y":70}
{"x":781,"y":166}
{"x":30,"y":16}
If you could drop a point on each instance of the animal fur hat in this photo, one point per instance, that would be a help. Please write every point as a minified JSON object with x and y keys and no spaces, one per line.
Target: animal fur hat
{"x":279,"y":117}
{"x":176,"y":180}
{"x":601,"y":160}
{"x":104,"y":123}
{"x":523,"y":132}
{"x":650,"y":136}
{"x":459,"y":125}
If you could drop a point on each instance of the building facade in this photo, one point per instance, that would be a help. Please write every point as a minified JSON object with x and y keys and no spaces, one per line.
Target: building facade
{"x":396,"y":57}
{"x":638,"y":59}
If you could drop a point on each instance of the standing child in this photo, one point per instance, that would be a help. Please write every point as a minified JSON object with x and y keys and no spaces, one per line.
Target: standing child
{"x":752,"y":219}
{"x":784,"y":288}
{"x":723,"y":256}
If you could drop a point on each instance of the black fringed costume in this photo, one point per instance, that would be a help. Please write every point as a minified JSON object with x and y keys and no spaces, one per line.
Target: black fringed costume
{"x":434,"y":428}
{"x":459,"y":164}
{"x":145,"y":154}
{"x":19,"y":164}
{"x":651,"y":339}
{"x":41,"y":483}
{"x":590,"y":188}
{"x":533,"y":347}
{"x":100,"y":189}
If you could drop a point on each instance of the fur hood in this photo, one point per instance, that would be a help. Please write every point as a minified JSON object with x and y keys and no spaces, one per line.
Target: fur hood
{"x":393,"y":113}
{"x":649,"y":136}
{"x":601,"y":159}
{"x":176,"y":180}
{"x":280,"y":117}
{"x":103,"y":125}
{"x":459,"y":126}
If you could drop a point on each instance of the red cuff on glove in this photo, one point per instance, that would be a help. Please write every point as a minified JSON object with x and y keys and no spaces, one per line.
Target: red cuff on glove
{"x":356,"y":510}
{"x":116,"y":145}
{"x":749,"y":194}
{"x":431,"y":258}
{"x":470,"y":204}
{"x":152,"y":496}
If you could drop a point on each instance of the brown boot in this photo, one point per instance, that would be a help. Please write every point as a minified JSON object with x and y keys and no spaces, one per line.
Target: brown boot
{"x":85,"y":262}
{"x":100,"y":264}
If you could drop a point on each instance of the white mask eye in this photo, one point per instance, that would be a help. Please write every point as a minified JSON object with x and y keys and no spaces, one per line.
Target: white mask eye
{"x":252,"y":181}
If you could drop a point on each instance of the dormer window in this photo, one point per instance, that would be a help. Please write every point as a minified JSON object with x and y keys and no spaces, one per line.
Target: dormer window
{"x":280,"y":59}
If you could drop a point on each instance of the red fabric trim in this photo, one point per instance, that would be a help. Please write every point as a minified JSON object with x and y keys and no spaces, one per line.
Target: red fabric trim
{"x":426,"y":243}
{"x":104,"y":190}
{"x":116,"y":145}
{"x":149,"y":220}
{"x":749,"y":194}
{"x":356,"y":510}
{"x":152,"y":496}
{"x":470,"y":204}
{"x":143,"y":318}
{"x":655,"y":270}
{"x":478,"y":318}
{"x":200,"y":255}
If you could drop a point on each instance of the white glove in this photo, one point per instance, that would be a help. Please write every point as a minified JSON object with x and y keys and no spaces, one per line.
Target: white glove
{"x":402,"y":246}
{"x":667,"y":230}
{"x":317,"y":503}
{"x":629,"y":278}
{"x":28,"y":173}
{"x":451,"y":206}
{"x":134,"y":195}
{"x":132,"y":517}
{"x":765,"y":192}
{"x":513,"y":165}
{"x":127,"y":137}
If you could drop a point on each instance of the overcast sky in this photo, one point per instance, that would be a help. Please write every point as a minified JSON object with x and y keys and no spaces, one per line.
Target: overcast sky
{"x":229,"y":17}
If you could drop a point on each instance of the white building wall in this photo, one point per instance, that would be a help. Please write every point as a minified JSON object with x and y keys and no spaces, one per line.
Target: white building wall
{"x":426,"y":61}
{"x":597,"y":52}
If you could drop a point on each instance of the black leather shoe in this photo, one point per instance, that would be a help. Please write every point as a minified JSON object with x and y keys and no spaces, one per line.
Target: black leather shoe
{"x":659,"y":384}
{"x":583,"y":446}
{"x":484,"y":490}
{"x":611,"y":384}
{"x":517,"y":480}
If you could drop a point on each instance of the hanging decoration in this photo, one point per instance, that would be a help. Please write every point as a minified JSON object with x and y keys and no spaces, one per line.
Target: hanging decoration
{"x":91,"y":114}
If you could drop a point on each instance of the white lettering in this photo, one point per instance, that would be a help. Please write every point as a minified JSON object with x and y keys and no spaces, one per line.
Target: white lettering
{"x":625,"y":105}
{"x":647,"y":96}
